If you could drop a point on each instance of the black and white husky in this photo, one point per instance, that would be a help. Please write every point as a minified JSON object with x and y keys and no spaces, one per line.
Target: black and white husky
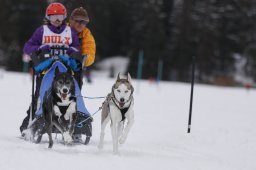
{"x":59,"y":106}
{"x":118,"y":107}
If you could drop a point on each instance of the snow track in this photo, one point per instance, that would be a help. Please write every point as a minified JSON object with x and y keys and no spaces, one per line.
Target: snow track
{"x":223,"y":133}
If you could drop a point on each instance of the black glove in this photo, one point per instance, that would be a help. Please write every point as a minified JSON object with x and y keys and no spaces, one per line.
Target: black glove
{"x":39,"y":57}
{"x":44,"y":48}
{"x":78,"y":56}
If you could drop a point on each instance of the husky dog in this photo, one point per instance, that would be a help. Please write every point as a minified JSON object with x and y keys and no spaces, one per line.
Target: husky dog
{"x":59,"y":106}
{"x":117,"y":107}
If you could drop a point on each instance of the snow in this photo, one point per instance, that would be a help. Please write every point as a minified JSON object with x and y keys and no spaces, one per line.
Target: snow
{"x":223,"y":133}
{"x":240,"y":65}
{"x":117,"y":63}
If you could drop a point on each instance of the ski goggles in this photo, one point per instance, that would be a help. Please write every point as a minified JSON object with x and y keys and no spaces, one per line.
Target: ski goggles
{"x":81,"y":22}
{"x":56,"y":17}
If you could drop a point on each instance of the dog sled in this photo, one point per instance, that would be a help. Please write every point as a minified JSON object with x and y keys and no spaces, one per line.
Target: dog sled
{"x":37,"y":123}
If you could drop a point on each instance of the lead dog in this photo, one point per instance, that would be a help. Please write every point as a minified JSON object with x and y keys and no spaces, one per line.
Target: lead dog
{"x":118,"y":107}
{"x":59,"y":107}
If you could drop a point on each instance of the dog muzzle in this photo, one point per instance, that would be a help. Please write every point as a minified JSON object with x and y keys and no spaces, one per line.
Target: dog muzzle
{"x":121,"y":104}
{"x":64,"y":96}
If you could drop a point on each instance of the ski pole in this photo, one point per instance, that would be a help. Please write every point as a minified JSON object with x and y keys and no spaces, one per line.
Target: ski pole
{"x":191,"y":94}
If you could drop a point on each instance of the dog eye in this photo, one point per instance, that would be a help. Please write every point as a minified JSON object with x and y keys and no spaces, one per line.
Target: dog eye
{"x":126,"y":91}
{"x":60,"y":82}
{"x":118,"y":91}
{"x":68,"y":82}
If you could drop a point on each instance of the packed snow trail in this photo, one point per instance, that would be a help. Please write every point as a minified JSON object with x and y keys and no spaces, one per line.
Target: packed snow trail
{"x":222,"y":135}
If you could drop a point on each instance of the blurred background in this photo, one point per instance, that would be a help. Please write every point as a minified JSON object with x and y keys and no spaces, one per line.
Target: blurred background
{"x":156,"y":38}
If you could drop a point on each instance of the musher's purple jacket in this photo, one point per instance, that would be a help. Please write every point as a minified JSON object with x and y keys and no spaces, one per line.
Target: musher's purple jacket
{"x":35,"y":41}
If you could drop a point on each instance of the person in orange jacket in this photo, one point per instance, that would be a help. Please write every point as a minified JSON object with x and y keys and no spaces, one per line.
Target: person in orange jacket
{"x":78,"y":21}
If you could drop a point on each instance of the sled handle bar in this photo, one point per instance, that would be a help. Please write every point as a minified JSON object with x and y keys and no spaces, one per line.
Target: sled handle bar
{"x":59,"y":48}
{"x":56,"y":57}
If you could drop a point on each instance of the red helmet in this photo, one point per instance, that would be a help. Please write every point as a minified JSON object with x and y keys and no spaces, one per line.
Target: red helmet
{"x":56,"y":9}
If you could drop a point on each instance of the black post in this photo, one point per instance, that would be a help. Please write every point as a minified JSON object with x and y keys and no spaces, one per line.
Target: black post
{"x":191,"y":93}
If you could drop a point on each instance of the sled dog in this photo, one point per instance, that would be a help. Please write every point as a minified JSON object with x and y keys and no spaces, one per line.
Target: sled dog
{"x":117,"y":108}
{"x":59,"y":106}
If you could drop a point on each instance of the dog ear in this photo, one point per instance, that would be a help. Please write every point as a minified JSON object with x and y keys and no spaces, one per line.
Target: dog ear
{"x":118,"y":76}
{"x":129,"y":78}
{"x":57,"y":71}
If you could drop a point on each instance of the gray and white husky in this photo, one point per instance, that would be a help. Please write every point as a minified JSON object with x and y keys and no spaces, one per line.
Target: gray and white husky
{"x":118,"y":107}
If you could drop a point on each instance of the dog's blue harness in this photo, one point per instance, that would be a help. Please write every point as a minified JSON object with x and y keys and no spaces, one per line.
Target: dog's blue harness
{"x":46,"y":85}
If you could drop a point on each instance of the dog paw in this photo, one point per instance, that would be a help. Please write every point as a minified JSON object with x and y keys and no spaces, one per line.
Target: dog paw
{"x":67,"y":138}
{"x":100,"y":146}
{"x":122,"y":140}
{"x":27,"y":134}
{"x":117,"y":153}
{"x":66,"y":116}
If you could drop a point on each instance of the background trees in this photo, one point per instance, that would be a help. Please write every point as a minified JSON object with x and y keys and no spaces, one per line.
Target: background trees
{"x":169,"y":30}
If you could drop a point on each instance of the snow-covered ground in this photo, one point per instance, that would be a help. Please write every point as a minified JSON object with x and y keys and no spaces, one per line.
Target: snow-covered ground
{"x":223,"y":134}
